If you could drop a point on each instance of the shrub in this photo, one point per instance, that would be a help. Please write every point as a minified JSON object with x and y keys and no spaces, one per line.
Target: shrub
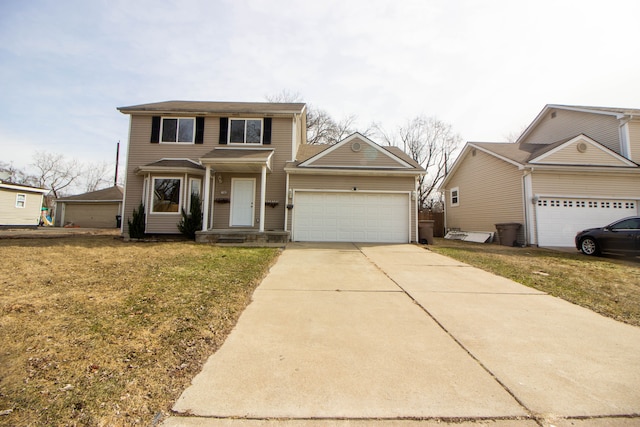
{"x":136,"y":224}
{"x":192,"y":222}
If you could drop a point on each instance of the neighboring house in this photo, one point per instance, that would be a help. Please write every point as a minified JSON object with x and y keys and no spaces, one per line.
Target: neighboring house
{"x":96,"y":209}
{"x":573,"y":168}
{"x":20,"y":205}
{"x":259,"y":179}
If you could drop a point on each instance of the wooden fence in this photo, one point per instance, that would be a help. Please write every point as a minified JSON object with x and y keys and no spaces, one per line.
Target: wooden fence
{"x":438,"y":218}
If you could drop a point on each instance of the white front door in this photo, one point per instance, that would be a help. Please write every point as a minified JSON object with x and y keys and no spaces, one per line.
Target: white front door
{"x":242,"y":197}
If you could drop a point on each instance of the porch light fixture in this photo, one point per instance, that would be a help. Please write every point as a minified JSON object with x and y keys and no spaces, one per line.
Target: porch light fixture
{"x":413,"y":195}
{"x":291,"y":193}
{"x":219,"y":179}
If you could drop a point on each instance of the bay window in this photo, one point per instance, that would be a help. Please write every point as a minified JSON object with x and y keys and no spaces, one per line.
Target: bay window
{"x":166,"y":195}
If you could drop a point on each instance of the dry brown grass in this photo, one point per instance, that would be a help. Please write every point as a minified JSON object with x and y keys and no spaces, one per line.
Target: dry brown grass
{"x":608,"y":285}
{"x":96,"y":331}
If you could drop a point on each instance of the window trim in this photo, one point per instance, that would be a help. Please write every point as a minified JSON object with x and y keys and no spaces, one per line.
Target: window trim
{"x":153,"y":191}
{"x":193,"y":130}
{"x":192,"y":181}
{"x":246,"y":120}
{"x":24,"y":200}
{"x":455,"y":190}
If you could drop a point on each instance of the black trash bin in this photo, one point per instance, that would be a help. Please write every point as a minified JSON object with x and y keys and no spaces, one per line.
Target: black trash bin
{"x":118,"y":221}
{"x":508,"y":233}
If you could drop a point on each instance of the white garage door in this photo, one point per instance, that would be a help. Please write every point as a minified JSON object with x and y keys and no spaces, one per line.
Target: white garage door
{"x":351,"y":217}
{"x":559,"y":219}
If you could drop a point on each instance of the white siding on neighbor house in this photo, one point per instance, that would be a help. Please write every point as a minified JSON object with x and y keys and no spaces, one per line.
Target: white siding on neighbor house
{"x":601,"y":128}
{"x":490,"y":192}
{"x":12,"y":215}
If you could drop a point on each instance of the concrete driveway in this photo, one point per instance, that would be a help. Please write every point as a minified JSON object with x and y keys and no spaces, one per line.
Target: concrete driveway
{"x":395,"y":335}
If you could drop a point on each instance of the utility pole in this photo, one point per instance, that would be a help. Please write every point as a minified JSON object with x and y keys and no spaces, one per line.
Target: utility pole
{"x":115,"y":180}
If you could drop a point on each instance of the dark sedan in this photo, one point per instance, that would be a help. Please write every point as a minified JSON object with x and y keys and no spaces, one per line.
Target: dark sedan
{"x":622,"y":237}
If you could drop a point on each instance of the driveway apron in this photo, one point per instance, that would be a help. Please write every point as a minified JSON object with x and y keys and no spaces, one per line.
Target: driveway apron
{"x":359,"y":333}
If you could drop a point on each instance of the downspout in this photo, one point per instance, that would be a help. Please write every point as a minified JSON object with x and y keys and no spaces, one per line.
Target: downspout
{"x":286,"y":198}
{"x":417,"y":200}
{"x":263,"y":194}
{"x":528,"y":201}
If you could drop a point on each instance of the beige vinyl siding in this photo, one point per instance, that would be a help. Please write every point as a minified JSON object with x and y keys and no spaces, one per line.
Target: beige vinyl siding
{"x":347,"y":183}
{"x":570,"y":155}
{"x":142,"y":152}
{"x":97,"y":215}
{"x":490,"y":192}
{"x":368,"y":156}
{"x":11,"y":215}
{"x":634,"y":140}
{"x":599,"y":127}
{"x":588,"y":184}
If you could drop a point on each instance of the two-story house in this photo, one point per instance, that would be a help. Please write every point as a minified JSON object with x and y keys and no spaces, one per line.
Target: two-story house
{"x":259,"y":180}
{"x":573,"y":168}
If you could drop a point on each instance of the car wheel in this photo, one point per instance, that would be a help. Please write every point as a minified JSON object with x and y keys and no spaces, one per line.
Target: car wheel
{"x":589,"y":246}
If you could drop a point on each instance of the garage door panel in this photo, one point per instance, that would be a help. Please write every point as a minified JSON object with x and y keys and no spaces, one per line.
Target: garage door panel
{"x":351,"y":217}
{"x":559,"y":219}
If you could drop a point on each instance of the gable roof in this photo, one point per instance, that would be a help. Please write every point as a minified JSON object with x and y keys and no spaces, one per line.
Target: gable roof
{"x":21,"y":187}
{"x":171,"y":165}
{"x":618,"y":113}
{"x":521,"y":154}
{"x":111,"y":194}
{"x":391,"y":157}
{"x":215,"y":107}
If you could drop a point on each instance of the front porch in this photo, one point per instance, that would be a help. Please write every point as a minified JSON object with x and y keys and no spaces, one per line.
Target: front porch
{"x":244,"y":237}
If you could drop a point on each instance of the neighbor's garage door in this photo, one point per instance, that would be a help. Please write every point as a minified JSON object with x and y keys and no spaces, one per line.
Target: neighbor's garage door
{"x":351,"y":217}
{"x":559,"y":219}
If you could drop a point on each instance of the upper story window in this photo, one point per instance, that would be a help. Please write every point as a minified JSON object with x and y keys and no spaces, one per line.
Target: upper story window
{"x":455,"y":196}
{"x":245,"y":131}
{"x":178,"y":130}
{"x":21,"y":200}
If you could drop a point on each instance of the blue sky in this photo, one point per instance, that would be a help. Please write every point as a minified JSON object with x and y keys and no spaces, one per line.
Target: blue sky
{"x":485,"y":67}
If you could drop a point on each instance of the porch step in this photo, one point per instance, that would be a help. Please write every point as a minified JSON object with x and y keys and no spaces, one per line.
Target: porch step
{"x":231,"y":240}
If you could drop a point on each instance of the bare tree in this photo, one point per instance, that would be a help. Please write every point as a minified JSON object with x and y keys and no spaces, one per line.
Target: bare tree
{"x":16,"y":175}
{"x":430,"y":143}
{"x":284,"y":96}
{"x":321,"y":127}
{"x":97,"y":176}
{"x":54,"y":172}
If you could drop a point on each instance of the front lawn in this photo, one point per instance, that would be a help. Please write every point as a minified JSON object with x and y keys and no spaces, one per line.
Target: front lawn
{"x":607,"y":285}
{"x":96,"y":331}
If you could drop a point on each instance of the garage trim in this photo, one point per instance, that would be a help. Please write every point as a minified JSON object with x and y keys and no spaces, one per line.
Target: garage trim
{"x":596,"y":211}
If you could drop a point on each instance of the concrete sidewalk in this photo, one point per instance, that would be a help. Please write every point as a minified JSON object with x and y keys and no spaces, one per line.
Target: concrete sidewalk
{"x":395,"y":335}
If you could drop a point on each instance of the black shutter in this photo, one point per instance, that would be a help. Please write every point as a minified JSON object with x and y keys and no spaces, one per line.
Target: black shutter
{"x":155,"y":129}
{"x":266,"y":139}
{"x":199,"y":130}
{"x":224,"y":126}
